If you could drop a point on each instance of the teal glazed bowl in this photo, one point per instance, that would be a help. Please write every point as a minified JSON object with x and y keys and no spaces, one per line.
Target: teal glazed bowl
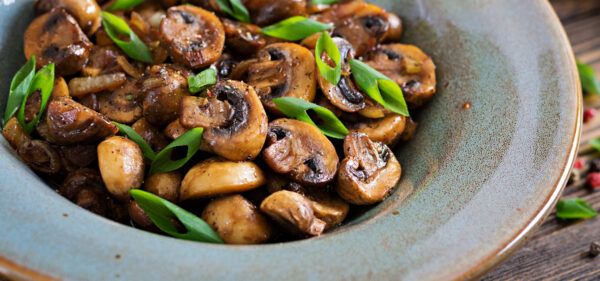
{"x":476,"y":182}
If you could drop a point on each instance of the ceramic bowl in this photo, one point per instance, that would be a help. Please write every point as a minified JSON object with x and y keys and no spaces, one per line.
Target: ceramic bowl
{"x":476,"y":181}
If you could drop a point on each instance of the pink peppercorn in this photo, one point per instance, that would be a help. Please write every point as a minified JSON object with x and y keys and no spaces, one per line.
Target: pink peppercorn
{"x":578,"y":164}
{"x":589,"y":114}
{"x":593,"y":180}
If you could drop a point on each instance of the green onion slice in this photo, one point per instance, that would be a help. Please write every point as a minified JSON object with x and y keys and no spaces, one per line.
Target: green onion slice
{"x":19,"y":87}
{"x":379,"y":87}
{"x":43,"y":81}
{"x":325,"y":43}
{"x":297,"y":108}
{"x":163,"y":162}
{"x":589,"y":82}
{"x":234,"y":8}
{"x":135,"y":48}
{"x":161,"y":211}
{"x":120,"y":5}
{"x":202,"y":81}
{"x":135,"y":137}
{"x":575,"y":208}
{"x":295,"y":28}
{"x":324,"y":2}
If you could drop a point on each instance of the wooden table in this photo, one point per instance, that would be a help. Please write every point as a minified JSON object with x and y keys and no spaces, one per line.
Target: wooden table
{"x":559,"y":249}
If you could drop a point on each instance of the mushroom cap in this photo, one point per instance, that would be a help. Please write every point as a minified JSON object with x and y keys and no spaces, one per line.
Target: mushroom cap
{"x":294,"y":212}
{"x":40,"y":156}
{"x":121,"y":104}
{"x":165,"y":185}
{"x":387,"y":130}
{"x":266,"y":12}
{"x":301,"y":152}
{"x":243,"y":38}
{"x":162,"y":88}
{"x":121,"y":165}
{"x":87,"y":12}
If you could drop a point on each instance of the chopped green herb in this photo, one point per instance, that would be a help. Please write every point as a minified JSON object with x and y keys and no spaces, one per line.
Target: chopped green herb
{"x":120,"y":5}
{"x":324,"y":2}
{"x":202,"y":81}
{"x":163,"y":162}
{"x":43,"y":81}
{"x":135,"y":48}
{"x":589,"y":80}
{"x":129,"y":97}
{"x":234,"y":8}
{"x":298,"y":109}
{"x":325,"y":43}
{"x":575,"y":208}
{"x":135,"y":137}
{"x":19,"y":88}
{"x":295,"y":28}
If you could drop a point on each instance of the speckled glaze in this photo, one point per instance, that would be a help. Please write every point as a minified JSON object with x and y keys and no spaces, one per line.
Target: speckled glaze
{"x":476,"y":182}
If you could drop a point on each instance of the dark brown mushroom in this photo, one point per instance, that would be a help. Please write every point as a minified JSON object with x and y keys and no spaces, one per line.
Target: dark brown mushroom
{"x":301,"y":152}
{"x":87,"y":12}
{"x":102,"y":60}
{"x":195,"y":37}
{"x":40,"y":156}
{"x":369,"y":171}
{"x":151,"y":134}
{"x":408,"y":66}
{"x":162,"y":89}
{"x":387,"y":130}
{"x":283,"y":69}
{"x":243,"y":38}
{"x":70,"y":122}
{"x":14,"y":133}
{"x":294,"y":212}
{"x":55,"y":37}
{"x":121,"y":105}
{"x":266,"y":12}
{"x":233,"y":117}
{"x":75,"y":157}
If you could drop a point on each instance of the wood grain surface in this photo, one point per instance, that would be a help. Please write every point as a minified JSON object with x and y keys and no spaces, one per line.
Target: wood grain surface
{"x":559,"y":250}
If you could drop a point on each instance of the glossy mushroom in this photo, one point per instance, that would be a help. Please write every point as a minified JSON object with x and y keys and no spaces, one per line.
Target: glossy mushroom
{"x":266,"y":12}
{"x":14,"y":133}
{"x":243,"y":38}
{"x":121,"y":165}
{"x":121,"y":105}
{"x":233,"y":117}
{"x":387,"y":130}
{"x":301,"y":152}
{"x":40,"y":156}
{"x":283,"y":69}
{"x":55,"y":37}
{"x":294,"y":212}
{"x":86,"y":12}
{"x":151,"y":134}
{"x":369,"y":171}
{"x":164,"y":185}
{"x":396,"y":28}
{"x":195,"y":37}
{"x":161,"y":89}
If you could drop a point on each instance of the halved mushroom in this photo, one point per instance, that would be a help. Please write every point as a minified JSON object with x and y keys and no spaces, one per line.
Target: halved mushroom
{"x":409,"y":130}
{"x":369,"y":171}
{"x":121,"y":165}
{"x":162,"y":88}
{"x":75,"y":157}
{"x":243,"y":38}
{"x":165,"y":185}
{"x":408,"y":66}
{"x":151,"y":134}
{"x":102,"y":60}
{"x":87,"y":12}
{"x":234,"y":120}
{"x":396,"y":28}
{"x":294,"y":212}
{"x":217,"y":176}
{"x":237,"y":220}
{"x":139,"y":217}
{"x":345,"y":95}
{"x":70,"y":122}
{"x":301,"y":152}
{"x":283,"y":69}
{"x":387,"y":130}
{"x":84,"y":187}
{"x":266,"y":12}
{"x":60,"y":88}
{"x":56,"y":37}
{"x":40,"y":156}
{"x":195,"y":37}
{"x":14,"y":133}
{"x":363,"y":25}
{"x":122,"y":104}
{"x":174,"y":130}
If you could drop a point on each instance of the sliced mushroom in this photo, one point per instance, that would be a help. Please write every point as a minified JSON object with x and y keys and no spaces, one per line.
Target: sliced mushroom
{"x":300,"y":151}
{"x":122,"y":104}
{"x":217,"y":176}
{"x":374,"y":110}
{"x":40,"y":156}
{"x":234,"y":119}
{"x":174,"y":130}
{"x":363,"y":25}
{"x":243,"y":38}
{"x":266,"y":12}
{"x":408,"y":66}
{"x":81,"y":86}
{"x":70,"y":122}
{"x":294,"y":212}
{"x":102,"y":60}
{"x":75,"y":157}
{"x":283,"y":69}
{"x":369,"y":171}
{"x":121,"y":165}
{"x":195,"y":37}
{"x":396,"y":28}
{"x":409,"y":130}
{"x":14,"y":133}
{"x":151,"y":134}
{"x":345,"y":95}
{"x":87,"y":12}
{"x":237,"y":220}
{"x":55,"y":37}
{"x":162,"y":88}
{"x":139,"y":217}
{"x":387,"y":130}
{"x":165,"y":185}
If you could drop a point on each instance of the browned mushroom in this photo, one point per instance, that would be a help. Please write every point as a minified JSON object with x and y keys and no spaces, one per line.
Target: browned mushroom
{"x":283,"y":69}
{"x":162,"y":88}
{"x":345,"y":95}
{"x":139,"y":217}
{"x":174,"y":130}
{"x":102,"y":60}
{"x":14,"y":133}
{"x":234,"y":119}
{"x":40,"y":156}
{"x":151,"y":134}
{"x":87,"y":12}
{"x":408,"y":66}
{"x":387,"y":130}
{"x":237,"y":220}
{"x":396,"y":28}
{"x":363,"y":25}
{"x":121,"y":165}
{"x":122,"y":104}
{"x":55,"y":37}
{"x":194,"y":36}
{"x":369,"y":171}
{"x":60,"y":88}
{"x":70,"y":122}
{"x":165,"y":185}
{"x":243,"y":38}
{"x":294,"y":212}
{"x":266,"y":12}
{"x":75,"y":157}
{"x":409,"y":130}
{"x":300,"y":151}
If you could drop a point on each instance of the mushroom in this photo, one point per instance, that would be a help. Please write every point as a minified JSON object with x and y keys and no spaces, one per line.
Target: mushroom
{"x":60,"y":88}
{"x":363,"y":25}
{"x":70,"y":122}
{"x":283,"y":69}
{"x":294,"y":212}
{"x":87,"y":12}
{"x":102,"y":60}
{"x":165,"y":185}
{"x":151,"y":134}
{"x":266,"y":12}
{"x":369,"y":171}
{"x":237,"y":220}
{"x":121,"y":165}
{"x":396,"y":28}
{"x":387,"y":130}
{"x":14,"y":133}
{"x":195,"y":37}
{"x":122,"y":104}
{"x":139,"y":217}
{"x":75,"y":157}
{"x":243,"y":38}
{"x":174,"y":130}
{"x":40,"y":156}
{"x":301,"y":152}
{"x":216,"y":176}
{"x":81,"y":86}
{"x":234,"y":120}
{"x":162,"y":88}
{"x":408,"y":66}
{"x":55,"y":37}
{"x":409,"y":130}
{"x":345,"y":95}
